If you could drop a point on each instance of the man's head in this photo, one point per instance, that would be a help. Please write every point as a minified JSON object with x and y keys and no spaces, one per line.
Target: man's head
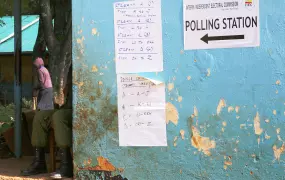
{"x":38,"y":62}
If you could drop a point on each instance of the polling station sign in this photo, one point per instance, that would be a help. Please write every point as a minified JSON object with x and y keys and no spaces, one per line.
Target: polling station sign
{"x":210,"y":24}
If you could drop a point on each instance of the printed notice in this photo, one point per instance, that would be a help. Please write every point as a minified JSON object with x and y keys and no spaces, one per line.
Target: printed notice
{"x":138,"y":36}
{"x":212,"y":24}
{"x":141,"y":110}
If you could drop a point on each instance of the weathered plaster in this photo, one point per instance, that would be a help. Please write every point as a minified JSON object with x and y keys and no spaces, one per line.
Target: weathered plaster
{"x":224,"y":117}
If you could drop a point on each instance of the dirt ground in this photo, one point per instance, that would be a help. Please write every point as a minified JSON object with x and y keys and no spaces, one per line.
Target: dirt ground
{"x":10,"y":167}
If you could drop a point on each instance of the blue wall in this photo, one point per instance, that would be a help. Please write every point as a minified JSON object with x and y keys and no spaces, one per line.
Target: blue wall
{"x":231,"y":117}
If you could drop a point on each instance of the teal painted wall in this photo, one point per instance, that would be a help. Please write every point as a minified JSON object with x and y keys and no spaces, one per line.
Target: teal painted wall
{"x":230,"y":102}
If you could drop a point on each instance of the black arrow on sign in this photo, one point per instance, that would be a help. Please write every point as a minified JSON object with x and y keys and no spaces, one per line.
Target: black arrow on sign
{"x":207,"y":38}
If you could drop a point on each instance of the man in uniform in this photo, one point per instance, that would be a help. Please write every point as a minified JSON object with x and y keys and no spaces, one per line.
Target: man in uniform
{"x":61,"y":121}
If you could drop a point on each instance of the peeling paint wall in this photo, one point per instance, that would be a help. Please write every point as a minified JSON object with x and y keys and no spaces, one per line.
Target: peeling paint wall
{"x":225,"y":107}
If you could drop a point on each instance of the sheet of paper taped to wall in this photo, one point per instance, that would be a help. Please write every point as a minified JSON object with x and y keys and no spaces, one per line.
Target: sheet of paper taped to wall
{"x":138,"y":36}
{"x":141,"y":111}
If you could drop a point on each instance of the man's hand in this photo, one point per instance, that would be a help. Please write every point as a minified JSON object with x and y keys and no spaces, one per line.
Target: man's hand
{"x":34,"y":103}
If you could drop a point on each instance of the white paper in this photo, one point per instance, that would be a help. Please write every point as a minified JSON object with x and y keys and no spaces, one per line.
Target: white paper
{"x":138,"y":36}
{"x":141,"y":111}
{"x":210,"y":17}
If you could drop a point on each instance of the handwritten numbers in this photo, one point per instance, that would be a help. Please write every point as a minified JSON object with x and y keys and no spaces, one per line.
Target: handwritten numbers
{"x":141,"y":111}
{"x":137,"y":24}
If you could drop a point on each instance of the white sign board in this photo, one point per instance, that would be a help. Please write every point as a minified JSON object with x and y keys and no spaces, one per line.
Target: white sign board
{"x":141,"y":111}
{"x":138,"y":36}
{"x":212,"y":24}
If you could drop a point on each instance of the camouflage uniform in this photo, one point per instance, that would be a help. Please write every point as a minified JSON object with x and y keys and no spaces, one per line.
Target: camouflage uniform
{"x":60,"y":120}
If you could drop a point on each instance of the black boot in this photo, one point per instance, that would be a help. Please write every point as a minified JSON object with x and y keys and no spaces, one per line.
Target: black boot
{"x":66,"y":167}
{"x":38,"y":165}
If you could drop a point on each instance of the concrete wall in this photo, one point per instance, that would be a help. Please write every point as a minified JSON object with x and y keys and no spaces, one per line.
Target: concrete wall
{"x":230,"y":102}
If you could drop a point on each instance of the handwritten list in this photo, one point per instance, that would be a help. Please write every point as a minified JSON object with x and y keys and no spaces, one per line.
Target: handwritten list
{"x":141,"y":111}
{"x":138,"y":36}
